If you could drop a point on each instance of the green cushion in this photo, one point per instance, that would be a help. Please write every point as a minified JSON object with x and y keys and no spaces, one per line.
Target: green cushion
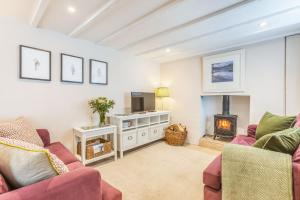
{"x":271,"y":123}
{"x":286,"y":141}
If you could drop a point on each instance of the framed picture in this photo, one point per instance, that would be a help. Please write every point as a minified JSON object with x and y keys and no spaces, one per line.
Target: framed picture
{"x":98,"y":72}
{"x":35,"y":63}
{"x":71,"y":68}
{"x":224,"y":72}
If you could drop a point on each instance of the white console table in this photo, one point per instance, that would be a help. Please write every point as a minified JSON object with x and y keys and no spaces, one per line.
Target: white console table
{"x":134,"y":130}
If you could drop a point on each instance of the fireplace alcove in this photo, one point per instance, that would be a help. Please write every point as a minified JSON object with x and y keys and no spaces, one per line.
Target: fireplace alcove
{"x":231,"y":120}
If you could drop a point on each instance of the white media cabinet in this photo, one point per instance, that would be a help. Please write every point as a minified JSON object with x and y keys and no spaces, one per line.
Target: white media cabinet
{"x":134,"y":130}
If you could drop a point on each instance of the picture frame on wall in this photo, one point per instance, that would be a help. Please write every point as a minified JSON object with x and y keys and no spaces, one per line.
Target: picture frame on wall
{"x":35,"y":64}
{"x":72,"y":69}
{"x":98,"y":72}
{"x":224,"y":72}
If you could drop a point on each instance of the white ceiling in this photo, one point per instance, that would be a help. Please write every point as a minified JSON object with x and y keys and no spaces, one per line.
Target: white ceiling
{"x":147,"y":28}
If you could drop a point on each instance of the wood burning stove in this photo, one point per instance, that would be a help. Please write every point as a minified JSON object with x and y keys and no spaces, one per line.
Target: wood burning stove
{"x":225,"y":124}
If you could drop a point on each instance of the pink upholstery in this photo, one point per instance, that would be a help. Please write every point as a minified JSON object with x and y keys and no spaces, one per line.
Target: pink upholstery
{"x":252,"y":130}
{"x":109,"y":192}
{"x":297,"y":121}
{"x":3,"y":185}
{"x":296,"y":174}
{"x":212,"y":174}
{"x":81,"y":183}
{"x":243,"y":140}
{"x":74,"y":165}
{"x":44,"y":135}
{"x":62,"y":152}
{"x":212,"y":194}
{"x":78,"y":184}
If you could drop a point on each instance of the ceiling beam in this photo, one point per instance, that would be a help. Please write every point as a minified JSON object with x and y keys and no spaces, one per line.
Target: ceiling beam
{"x":222,"y":49}
{"x":215,"y":31}
{"x":92,"y":17}
{"x":38,"y":12}
{"x":138,"y":20}
{"x":189,"y":23}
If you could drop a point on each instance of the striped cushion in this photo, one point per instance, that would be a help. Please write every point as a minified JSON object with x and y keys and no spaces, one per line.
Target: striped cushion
{"x":20,"y":129}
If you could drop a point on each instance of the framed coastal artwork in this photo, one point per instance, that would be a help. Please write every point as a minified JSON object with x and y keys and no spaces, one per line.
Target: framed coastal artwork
{"x":35,"y":64}
{"x":71,"y":68}
{"x":224,"y":72}
{"x":98,"y":72}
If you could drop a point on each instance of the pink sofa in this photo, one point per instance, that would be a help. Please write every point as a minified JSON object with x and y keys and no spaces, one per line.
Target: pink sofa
{"x":81,"y":183}
{"x":212,"y":174}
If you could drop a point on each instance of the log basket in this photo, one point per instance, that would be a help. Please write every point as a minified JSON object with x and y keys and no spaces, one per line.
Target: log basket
{"x":176,"y":134}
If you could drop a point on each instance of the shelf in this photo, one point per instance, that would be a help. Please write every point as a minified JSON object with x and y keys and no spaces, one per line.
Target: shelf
{"x":142,"y":126}
{"x":129,"y":128}
{"x":164,"y":122}
{"x":97,"y":158}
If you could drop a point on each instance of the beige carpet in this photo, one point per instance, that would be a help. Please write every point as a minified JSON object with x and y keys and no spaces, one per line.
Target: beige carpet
{"x":159,"y":172}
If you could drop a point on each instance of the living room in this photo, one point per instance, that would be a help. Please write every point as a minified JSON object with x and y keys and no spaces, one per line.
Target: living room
{"x":80,"y":77}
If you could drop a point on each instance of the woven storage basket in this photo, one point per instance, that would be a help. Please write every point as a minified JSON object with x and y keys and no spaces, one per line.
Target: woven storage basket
{"x":107,"y":148}
{"x":176,"y":134}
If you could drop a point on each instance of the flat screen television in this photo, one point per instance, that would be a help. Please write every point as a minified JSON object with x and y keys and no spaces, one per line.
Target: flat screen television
{"x":142,"y":101}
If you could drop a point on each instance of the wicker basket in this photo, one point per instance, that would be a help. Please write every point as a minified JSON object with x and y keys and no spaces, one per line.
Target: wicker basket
{"x":106,"y":148}
{"x":176,"y":134}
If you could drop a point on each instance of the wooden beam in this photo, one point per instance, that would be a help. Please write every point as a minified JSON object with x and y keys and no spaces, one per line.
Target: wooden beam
{"x":136,"y":21}
{"x":92,"y":17}
{"x":38,"y":12}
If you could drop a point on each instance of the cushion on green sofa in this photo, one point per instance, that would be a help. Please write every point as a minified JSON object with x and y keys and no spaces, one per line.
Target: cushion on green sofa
{"x":286,"y":141}
{"x":271,"y":123}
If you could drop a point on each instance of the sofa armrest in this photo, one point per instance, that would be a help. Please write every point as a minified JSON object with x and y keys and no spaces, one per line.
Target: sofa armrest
{"x":296,"y":180}
{"x":83,"y":183}
{"x":44,"y":135}
{"x":251,"y":131}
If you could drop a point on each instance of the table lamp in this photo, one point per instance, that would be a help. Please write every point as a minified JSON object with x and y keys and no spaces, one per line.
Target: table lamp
{"x":162,"y":92}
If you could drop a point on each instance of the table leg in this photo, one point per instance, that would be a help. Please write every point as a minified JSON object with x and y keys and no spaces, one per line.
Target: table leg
{"x":115,"y":144}
{"x":83,"y":149}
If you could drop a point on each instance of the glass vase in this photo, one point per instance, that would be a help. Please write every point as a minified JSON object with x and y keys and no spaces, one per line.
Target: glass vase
{"x":102,"y":118}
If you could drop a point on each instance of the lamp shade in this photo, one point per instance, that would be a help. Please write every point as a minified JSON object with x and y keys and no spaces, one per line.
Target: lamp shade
{"x":162,"y":92}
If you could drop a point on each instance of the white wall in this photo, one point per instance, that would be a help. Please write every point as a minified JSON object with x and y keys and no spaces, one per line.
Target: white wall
{"x":60,"y":106}
{"x":265,"y":78}
{"x":183,"y":79}
{"x":264,"y":83}
{"x":293,"y":75}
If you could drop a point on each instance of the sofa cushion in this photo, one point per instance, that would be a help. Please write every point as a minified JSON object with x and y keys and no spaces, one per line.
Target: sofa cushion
{"x":74,"y":165}
{"x":251,"y":131}
{"x":243,"y":140}
{"x":3,"y":185}
{"x":24,"y":163}
{"x":286,"y":141}
{"x":20,"y":129}
{"x":212,"y":174}
{"x":62,"y":152}
{"x":271,"y":123}
{"x":109,"y":192}
{"x":297,"y":122}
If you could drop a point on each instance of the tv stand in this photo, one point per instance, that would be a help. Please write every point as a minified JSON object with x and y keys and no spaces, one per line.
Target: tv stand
{"x":138,"y":129}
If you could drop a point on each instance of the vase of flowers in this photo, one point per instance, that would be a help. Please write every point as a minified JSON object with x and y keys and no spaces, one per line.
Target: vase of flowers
{"x":101,"y":105}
